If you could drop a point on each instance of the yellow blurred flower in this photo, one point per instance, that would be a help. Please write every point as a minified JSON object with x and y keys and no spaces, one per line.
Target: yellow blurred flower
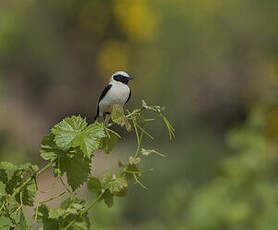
{"x":136,"y":18}
{"x":113,"y":56}
{"x":271,"y":72}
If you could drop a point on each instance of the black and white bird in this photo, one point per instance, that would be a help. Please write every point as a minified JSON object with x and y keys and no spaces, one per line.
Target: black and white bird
{"x":116,"y":92}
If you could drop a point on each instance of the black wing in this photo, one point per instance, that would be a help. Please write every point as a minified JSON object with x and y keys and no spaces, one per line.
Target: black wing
{"x":128,"y":97}
{"x":104,"y":92}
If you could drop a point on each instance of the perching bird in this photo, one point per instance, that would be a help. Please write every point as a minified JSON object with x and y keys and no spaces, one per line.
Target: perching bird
{"x":116,"y":92}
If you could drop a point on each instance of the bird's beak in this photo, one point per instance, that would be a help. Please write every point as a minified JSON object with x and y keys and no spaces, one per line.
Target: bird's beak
{"x":130,"y":78}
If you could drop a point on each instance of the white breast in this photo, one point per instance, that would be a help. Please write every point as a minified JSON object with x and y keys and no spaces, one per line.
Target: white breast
{"x":118,"y":94}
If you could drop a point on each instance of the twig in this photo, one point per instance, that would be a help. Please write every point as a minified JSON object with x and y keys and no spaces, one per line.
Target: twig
{"x":53,"y":198}
{"x":17,"y":190}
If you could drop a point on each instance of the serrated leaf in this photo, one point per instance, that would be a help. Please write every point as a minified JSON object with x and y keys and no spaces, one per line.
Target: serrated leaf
{"x":43,"y":216}
{"x":94,"y":184}
{"x":66,"y":130}
{"x":49,"y":149}
{"x":108,"y":198}
{"x":114,"y":183}
{"x":77,"y":168}
{"x":22,"y":225}
{"x":89,"y":140}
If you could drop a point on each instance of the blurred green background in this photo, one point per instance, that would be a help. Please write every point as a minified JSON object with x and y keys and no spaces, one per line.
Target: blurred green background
{"x":212,"y":63}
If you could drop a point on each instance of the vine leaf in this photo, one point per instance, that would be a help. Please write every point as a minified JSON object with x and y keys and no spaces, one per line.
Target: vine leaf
{"x":43,"y":216}
{"x":74,"y":132}
{"x":49,"y":149}
{"x":76,"y":166}
{"x":94,"y":184}
{"x":66,"y":130}
{"x":22,"y":225}
{"x":108,"y":198}
{"x":89,"y":139}
{"x":58,"y":218}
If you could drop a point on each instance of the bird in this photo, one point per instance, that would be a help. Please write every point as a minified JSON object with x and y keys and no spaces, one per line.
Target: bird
{"x":116,"y":92}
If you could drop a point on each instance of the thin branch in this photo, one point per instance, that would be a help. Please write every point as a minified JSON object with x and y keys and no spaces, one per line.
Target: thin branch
{"x":53,"y":198}
{"x":17,"y":190}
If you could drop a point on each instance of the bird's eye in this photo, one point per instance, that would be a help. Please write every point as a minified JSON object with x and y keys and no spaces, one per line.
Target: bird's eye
{"x":117,"y":78}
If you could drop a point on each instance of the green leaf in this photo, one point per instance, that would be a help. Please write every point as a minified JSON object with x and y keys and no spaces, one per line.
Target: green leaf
{"x":2,"y":188}
{"x":81,"y":226}
{"x":89,"y":140}
{"x":22,"y":225}
{"x":49,"y":149}
{"x":43,"y":216}
{"x":108,"y":198}
{"x":109,"y":141}
{"x":3,"y":176}
{"x":147,"y":152}
{"x":119,"y":118}
{"x":71,"y":207}
{"x":14,"y":182}
{"x":4,"y":221}
{"x":8,"y":166}
{"x":56,"y":213}
{"x":66,"y":130}
{"x":77,"y":168}
{"x":94,"y":184}
{"x":28,"y":193}
{"x":114,"y":183}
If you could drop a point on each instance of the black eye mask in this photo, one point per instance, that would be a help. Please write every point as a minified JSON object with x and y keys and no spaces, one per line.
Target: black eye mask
{"x":121,"y":78}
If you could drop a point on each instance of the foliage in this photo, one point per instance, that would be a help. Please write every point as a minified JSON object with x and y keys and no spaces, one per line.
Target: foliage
{"x":242,"y":195}
{"x":69,"y":148}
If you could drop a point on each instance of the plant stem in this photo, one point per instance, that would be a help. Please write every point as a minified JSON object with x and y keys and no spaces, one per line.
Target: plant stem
{"x":53,"y":198}
{"x":139,"y":139}
{"x":92,"y":204}
{"x":17,"y":190}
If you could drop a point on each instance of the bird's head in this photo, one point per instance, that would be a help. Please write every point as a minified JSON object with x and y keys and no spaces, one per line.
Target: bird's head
{"x":121,"y":76}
